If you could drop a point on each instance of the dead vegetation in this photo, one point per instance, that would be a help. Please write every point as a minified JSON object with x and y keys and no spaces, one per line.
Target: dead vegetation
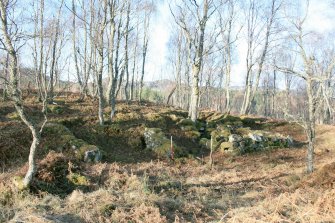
{"x":133,"y":185}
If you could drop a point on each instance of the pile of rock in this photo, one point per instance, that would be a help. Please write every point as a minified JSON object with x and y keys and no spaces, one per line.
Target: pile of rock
{"x":230,"y":136}
{"x":245,"y":143}
{"x":156,"y":141}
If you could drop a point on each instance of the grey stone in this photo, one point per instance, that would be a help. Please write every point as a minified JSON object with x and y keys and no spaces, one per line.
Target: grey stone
{"x":256,"y":137}
{"x":290,"y":141}
{"x":235,"y":138}
{"x":93,"y":156}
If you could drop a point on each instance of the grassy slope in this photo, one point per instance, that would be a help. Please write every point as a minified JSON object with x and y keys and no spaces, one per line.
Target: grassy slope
{"x":131,"y":185}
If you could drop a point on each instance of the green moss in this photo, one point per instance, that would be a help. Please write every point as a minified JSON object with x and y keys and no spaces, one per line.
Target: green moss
{"x":165,"y":148}
{"x":211,"y":125}
{"x":55,"y":109}
{"x":188,"y":128}
{"x":54,"y":128}
{"x":175,"y":118}
{"x":136,"y":142}
{"x":205,"y":143}
{"x":219,"y":135}
{"x":193,"y":134}
{"x":129,"y":116}
{"x":248,"y":121}
{"x":13,"y":116}
{"x":18,"y":182}
{"x":156,"y":118}
{"x":71,"y":122}
{"x":76,"y":142}
{"x":243,"y":131}
{"x":80,"y":153}
{"x":59,"y":101}
{"x":78,"y":179}
{"x":216,"y":116}
{"x":186,"y":122}
{"x":226,"y":147}
{"x":230,"y":118}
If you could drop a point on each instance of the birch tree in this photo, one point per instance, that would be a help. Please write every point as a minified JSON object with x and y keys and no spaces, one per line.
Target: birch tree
{"x":7,"y":37}
{"x":313,"y":78}
{"x":148,"y":9}
{"x":254,"y":40}
{"x":196,"y":38}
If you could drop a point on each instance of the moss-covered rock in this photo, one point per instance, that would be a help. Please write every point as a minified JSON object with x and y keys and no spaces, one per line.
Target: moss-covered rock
{"x":186,"y":122}
{"x":175,"y":118}
{"x":227,"y":147}
{"x":192,"y":134}
{"x":55,"y":109}
{"x":89,"y":153}
{"x":220,"y":135}
{"x":243,"y":131}
{"x":78,"y":179}
{"x":188,"y":128}
{"x":156,"y":141}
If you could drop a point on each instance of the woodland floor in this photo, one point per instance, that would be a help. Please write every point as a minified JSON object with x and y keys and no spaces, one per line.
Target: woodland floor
{"x":132,"y":185}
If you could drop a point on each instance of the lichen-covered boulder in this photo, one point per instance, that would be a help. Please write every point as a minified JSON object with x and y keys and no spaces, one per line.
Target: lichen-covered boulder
{"x":156,"y":141}
{"x":290,"y":141}
{"x":93,"y":156}
{"x":227,"y":147}
{"x":189,"y":128}
{"x":256,"y":137}
{"x":234,"y":138}
{"x":89,"y":153}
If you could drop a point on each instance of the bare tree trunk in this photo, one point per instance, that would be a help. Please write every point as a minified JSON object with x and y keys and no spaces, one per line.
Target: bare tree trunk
{"x":75,"y":50}
{"x":100,"y":49}
{"x":115,"y":77}
{"x":170,"y":94}
{"x":54,"y":58}
{"x":274,"y":92}
{"x":197,"y":65}
{"x":15,"y":94}
{"x":132,"y":86}
{"x":126,"y":53}
{"x":39,"y":74}
{"x":111,"y":73}
{"x":144,"y":52}
{"x":310,"y":130}
{"x":251,"y":91}
{"x":178,"y":70}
